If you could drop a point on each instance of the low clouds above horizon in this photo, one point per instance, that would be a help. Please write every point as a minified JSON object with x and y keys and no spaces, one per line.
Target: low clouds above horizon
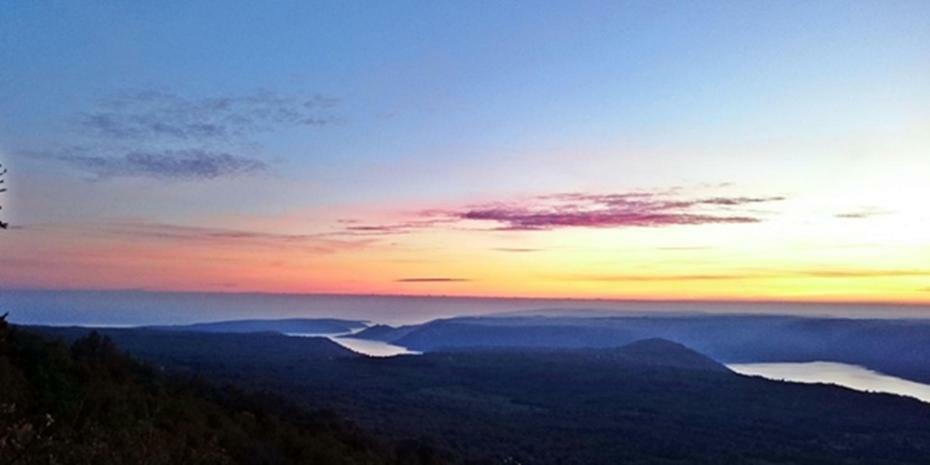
{"x":163,"y":135}
{"x":586,"y":210}
{"x":175,"y":233}
{"x":823,"y":273}
{"x":636,"y":209}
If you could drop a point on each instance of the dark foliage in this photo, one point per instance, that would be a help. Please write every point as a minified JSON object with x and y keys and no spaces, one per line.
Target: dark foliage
{"x":88,"y":403}
{"x":653,"y":402}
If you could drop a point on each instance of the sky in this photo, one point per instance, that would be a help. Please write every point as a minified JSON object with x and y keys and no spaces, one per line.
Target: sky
{"x":728,"y":150}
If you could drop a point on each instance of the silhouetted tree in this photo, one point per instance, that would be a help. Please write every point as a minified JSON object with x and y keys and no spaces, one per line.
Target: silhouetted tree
{"x":2,"y":190}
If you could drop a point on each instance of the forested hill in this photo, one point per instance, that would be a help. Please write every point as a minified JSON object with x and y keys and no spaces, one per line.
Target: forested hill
{"x":649,"y":402}
{"x":87,"y":403}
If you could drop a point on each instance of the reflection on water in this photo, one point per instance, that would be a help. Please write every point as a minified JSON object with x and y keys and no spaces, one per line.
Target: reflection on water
{"x":372,"y":348}
{"x":851,"y":376}
{"x":362,"y":346}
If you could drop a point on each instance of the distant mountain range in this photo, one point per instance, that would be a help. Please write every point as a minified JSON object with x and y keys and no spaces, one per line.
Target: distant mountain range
{"x":893,"y":346}
{"x":284,"y":326}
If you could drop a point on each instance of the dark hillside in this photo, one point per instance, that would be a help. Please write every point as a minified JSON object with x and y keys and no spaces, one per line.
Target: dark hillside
{"x":87,"y":403}
{"x":651,"y":402}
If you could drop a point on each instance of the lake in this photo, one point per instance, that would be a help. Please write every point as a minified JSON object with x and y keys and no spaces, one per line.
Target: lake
{"x":372,"y":348}
{"x":842,"y":374}
{"x":363,"y":346}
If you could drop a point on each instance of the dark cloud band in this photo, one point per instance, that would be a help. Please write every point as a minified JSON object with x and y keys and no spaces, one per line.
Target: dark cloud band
{"x":614,"y":211}
{"x":157,"y":115}
{"x":168,"y":164}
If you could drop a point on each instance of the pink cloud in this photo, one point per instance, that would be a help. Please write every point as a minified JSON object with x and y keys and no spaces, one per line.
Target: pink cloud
{"x":637,"y":209}
{"x":580,"y":210}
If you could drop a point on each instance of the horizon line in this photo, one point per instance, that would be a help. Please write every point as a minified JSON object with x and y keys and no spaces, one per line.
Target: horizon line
{"x":810,"y":301}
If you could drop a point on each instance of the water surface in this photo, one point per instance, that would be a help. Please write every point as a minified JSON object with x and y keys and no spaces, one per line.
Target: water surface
{"x":363,"y":346}
{"x":372,"y":348}
{"x":842,"y":374}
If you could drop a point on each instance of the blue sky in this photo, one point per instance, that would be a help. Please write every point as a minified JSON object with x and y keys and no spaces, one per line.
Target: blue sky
{"x":429,"y":104}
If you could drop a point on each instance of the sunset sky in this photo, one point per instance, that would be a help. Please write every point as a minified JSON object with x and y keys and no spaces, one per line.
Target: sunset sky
{"x":637,"y":150}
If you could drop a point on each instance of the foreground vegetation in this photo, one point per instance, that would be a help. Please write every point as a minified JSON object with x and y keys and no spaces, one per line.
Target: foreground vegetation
{"x":87,"y":403}
{"x":652,"y":402}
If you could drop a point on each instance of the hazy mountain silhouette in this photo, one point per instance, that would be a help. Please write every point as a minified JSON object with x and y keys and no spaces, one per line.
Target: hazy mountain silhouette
{"x":893,"y":346}
{"x":288,"y":325}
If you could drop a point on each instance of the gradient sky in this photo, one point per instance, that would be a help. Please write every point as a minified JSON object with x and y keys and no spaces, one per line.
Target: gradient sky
{"x":654,"y":150}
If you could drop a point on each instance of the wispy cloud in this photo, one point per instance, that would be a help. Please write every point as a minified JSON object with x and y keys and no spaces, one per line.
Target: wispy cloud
{"x":667,"y":277}
{"x":164,"y":135}
{"x":159,"y":115}
{"x":636,"y":209}
{"x":432,"y":280}
{"x":311,"y":242}
{"x":516,"y":249}
{"x":685,"y":248}
{"x":189,"y":164}
{"x":866,"y":273}
{"x":357,"y":228}
{"x":863,"y":213}
{"x":579,"y":210}
{"x":825,"y":273}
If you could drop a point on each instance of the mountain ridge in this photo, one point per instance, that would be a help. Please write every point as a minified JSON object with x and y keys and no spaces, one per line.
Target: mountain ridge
{"x":282,"y":325}
{"x":897,"y":347}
